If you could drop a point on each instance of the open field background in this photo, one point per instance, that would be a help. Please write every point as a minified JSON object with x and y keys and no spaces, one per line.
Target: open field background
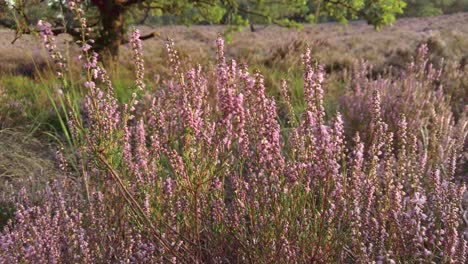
{"x":333,"y":44}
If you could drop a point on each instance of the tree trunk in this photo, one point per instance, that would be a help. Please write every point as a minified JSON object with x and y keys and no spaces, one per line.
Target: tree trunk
{"x":112,"y":32}
{"x":252,"y":27}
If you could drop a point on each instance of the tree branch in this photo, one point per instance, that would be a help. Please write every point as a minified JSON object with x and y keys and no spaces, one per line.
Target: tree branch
{"x":145,"y":16}
{"x":21,"y":12}
{"x":249,"y":12}
{"x":143,"y":37}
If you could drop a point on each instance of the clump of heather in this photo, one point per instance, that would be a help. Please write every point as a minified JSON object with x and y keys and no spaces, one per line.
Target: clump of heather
{"x":207,"y":173}
{"x":421,"y":94}
{"x":65,"y":228}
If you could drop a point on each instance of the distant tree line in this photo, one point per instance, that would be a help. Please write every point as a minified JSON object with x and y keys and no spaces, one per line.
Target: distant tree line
{"x":110,"y":19}
{"x":312,"y":12}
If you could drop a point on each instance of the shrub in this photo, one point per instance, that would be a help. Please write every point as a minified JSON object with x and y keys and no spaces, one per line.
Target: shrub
{"x":424,"y":93}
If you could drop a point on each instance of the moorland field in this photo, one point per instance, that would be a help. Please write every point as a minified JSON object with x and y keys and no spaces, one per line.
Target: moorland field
{"x":230,"y":164}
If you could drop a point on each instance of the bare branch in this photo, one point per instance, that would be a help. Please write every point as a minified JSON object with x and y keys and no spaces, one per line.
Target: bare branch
{"x":145,"y":16}
{"x":144,"y":37}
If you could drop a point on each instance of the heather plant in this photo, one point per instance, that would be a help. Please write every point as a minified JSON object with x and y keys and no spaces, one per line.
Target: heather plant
{"x":428,"y":96}
{"x":204,"y":170}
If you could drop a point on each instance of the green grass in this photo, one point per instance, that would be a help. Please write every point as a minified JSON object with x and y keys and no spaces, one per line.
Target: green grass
{"x":122,"y":89}
{"x":333,"y":88}
{"x":7,"y":212}
{"x":24,"y":102}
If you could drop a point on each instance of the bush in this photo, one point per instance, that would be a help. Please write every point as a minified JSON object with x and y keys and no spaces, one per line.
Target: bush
{"x":430,"y":10}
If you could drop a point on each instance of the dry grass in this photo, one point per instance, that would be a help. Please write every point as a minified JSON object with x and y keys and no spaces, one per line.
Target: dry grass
{"x":24,"y":161}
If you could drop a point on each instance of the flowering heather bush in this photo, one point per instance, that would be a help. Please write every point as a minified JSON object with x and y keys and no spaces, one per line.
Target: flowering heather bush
{"x":206,"y":173}
{"x":430,"y":108}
